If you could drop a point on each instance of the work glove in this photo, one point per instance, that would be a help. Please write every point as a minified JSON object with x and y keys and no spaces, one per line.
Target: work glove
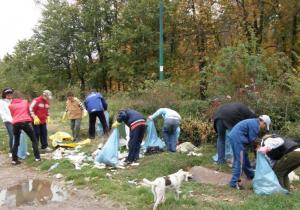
{"x":36,"y":120}
{"x":64,"y":117}
{"x":85,"y":113}
{"x":263,"y":150}
{"x":48,"y":120}
{"x":116,"y":124}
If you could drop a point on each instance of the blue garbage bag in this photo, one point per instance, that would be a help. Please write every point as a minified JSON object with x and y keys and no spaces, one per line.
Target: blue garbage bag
{"x":265,"y":181}
{"x":22,"y":149}
{"x":99,"y":128}
{"x":109,"y":153}
{"x":152,"y":140}
{"x":228,"y":149}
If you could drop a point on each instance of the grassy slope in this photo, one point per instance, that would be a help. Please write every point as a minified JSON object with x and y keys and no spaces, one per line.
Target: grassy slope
{"x":194,"y":195}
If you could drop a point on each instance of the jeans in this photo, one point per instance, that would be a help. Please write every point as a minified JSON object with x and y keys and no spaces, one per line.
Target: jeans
{"x":75,"y":127}
{"x":285,"y":165}
{"x":134,"y":144}
{"x":92,"y":122}
{"x":27,"y":128}
{"x":240,"y":162}
{"x":169,"y":133}
{"x":41,"y":133}
{"x":221,"y":132}
{"x":9,"y":128}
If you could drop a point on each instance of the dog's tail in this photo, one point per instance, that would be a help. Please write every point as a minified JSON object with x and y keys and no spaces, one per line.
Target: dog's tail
{"x":147,"y":183}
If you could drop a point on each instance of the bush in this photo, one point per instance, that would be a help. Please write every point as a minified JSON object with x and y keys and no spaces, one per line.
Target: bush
{"x":196,"y":132}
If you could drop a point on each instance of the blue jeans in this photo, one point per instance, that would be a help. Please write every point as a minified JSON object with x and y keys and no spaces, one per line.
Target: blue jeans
{"x":41,"y":133}
{"x":240,"y":162}
{"x":9,"y":128}
{"x":221,"y":132}
{"x":169,"y":133}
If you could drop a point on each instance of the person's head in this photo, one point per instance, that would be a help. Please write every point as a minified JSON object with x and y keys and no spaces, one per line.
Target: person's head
{"x":70,"y":96}
{"x":17,"y":94}
{"x":264,"y":122}
{"x":7,"y":93}
{"x":47,"y":95}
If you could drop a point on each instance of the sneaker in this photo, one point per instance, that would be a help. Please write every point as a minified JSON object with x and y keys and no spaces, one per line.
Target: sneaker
{"x":37,"y":159}
{"x":47,"y":149}
{"x":16,"y":162}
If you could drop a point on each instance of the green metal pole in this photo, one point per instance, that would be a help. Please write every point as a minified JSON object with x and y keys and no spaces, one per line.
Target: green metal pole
{"x":161,"y":41}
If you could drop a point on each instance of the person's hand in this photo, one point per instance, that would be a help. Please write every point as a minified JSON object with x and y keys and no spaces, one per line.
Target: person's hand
{"x":36,"y":120}
{"x":48,"y":120}
{"x":150,"y":117}
{"x":64,"y":117}
{"x":116,"y":124}
{"x":263,"y":150}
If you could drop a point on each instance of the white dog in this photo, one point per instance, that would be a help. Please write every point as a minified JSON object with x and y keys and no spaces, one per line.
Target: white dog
{"x":160,"y":184}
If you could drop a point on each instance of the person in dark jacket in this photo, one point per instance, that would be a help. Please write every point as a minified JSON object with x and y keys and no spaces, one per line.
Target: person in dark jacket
{"x":95,"y":105}
{"x":243,"y":133}
{"x":284,"y":156}
{"x":137,"y":124}
{"x":225,"y":118}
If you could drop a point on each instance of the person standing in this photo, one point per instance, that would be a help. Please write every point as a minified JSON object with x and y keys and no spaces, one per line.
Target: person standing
{"x":171,"y":129}
{"x":95,"y":104}
{"x":284,"y":156}
{"x":224,"y":119}
{"x":74,"y":112}
{"x":21,"y":120}
{"x":137,"y":124}
{"x":7,"y":95}
{"x":243,"y":133}
{"x":39,"y":110}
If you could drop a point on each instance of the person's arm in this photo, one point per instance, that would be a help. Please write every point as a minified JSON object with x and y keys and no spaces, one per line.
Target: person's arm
{"x":253,"y":133}
{"x":157,"y":113}
{"x":104,"y":104}
{"x":31,"y":108}
{"x":80,"y":104}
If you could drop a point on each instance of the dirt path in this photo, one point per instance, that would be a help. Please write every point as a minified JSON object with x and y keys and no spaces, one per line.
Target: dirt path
{"x":208,"y":176}
{"x":22,"y":187}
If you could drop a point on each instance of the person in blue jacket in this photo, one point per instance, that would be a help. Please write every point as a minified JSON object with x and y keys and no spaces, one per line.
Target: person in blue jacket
{"x":171,"y":129}
{"x":243,"y":133}
{"x":95,"y":105}
{"x":137,"y":124}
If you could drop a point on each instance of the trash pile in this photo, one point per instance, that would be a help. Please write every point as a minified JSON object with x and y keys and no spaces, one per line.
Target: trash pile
{"x":77,"y":158}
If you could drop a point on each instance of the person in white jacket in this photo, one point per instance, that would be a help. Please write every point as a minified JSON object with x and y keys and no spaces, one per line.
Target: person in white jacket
{"x":171,"y":129}
{"x":7,"y":95}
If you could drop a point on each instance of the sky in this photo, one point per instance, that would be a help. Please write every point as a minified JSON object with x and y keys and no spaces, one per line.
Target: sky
{"x":17,"y":19}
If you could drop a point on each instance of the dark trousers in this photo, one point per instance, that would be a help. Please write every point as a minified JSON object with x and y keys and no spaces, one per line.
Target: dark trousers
{"x":134,"y":144}
{"x":27,"y":128}
{"x":221,"y":132}
{"x":41,"y":133}
{"x":92,"y":122}
{"x":285,"y":165}
{"x":9,"y":128}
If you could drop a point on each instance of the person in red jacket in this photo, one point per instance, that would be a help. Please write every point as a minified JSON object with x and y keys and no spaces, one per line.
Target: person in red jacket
{"x":39,"y":112}
{"x":21,"y":120}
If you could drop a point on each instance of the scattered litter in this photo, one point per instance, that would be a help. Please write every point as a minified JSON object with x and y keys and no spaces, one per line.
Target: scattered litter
{"x":58,"y":154}
{"x":135,"y":164}
{"x":195,"y":154}
{"x":228,"y":199}
{"x":123,"y":142}
{"x":99,"y":165}
{"x":87,"y":179}
{"x":108,"y":175}
{"x":58,"y":176}
{"x":133,"y":182}
{"x":53,"y":166}
{"x":186,"y":147}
